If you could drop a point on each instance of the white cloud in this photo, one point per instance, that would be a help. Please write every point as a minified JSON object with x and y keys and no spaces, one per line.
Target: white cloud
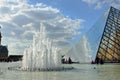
{"x":21,"y":20}
{"x":90,"y":1}
{"x":101,"y":3}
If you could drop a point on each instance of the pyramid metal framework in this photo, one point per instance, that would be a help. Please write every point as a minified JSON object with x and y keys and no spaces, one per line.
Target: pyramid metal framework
{"x":109,"y":47}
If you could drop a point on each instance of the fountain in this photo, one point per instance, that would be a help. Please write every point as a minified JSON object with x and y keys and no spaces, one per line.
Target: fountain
{"x":43,"y":55}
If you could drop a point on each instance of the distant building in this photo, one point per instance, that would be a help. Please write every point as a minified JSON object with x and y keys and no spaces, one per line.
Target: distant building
{"x":3,"y":50}
{"x":4,"y":54}
{"x":14,"y":58}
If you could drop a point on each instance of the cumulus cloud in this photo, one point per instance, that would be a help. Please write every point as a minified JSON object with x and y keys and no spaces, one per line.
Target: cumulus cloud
{"x":20,"y":21}
{"x":101,"y":3}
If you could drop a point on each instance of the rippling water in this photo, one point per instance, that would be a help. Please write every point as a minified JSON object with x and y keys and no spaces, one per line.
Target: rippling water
{"x":81,"y":72}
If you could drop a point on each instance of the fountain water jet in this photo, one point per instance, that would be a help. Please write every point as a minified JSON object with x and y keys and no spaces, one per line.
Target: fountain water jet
{"x":43,"y":55}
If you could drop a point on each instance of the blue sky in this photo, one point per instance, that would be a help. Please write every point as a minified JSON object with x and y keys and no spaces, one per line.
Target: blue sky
{"x":65,"y":20}
{"x":88,"y":10}
{"x":76,"y":9}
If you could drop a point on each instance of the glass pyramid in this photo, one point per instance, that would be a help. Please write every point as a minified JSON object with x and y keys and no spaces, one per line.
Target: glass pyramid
{"x":109,"y":45}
